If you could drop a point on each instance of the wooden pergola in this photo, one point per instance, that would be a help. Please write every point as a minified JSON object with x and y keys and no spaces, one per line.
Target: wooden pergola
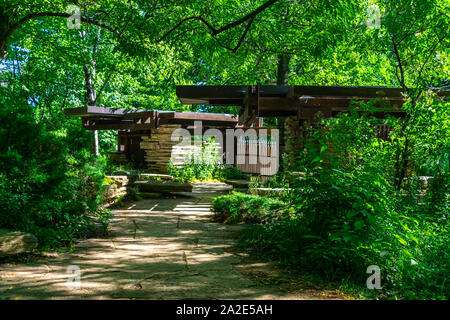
{"x":141,"y":132}
{"x":301,"y":101}
{"x":138,"y":130}
{"x":141,"y":121}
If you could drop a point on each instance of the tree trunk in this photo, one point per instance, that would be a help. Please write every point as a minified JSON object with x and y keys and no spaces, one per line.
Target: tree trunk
{"x":283,"y":69}
{"x":90,"y":95}
{"x":282,"y":79}
{"x":95,"y":143}
{"x":4,"y":31}
{"x":402,"y":156}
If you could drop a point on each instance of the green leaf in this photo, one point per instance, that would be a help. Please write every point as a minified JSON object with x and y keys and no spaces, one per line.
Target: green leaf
{"x":316,"y":159}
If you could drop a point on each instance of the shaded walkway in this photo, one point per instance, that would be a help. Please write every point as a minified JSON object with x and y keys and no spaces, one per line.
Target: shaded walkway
{"x":157,"y":249}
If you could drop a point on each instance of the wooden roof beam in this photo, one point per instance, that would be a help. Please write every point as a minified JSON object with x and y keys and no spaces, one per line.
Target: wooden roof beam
{"x":92,"y":111}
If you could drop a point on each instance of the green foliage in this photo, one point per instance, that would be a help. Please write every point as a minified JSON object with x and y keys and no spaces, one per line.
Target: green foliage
{"x":364,"y":192}
{"x":107,"y":141}
{"x":349,"y":214}
{"x":240,"y":207}
{"x":231,"y":172}
{"x":279,"y":180}
{"x":45,"y":188}
{"x":203,"y":165}
{"x":108,"y":181}
{"x":196,"y":172}
{"x":191,"y":172}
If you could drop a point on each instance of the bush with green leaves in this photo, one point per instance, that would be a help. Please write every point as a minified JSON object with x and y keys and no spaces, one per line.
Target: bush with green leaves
{"x":240,"y":207}
{"x":227,"y":172}
{"x":278,"y":180}
{"x":191,"y":172}
{"x":199,"y":164}
{"x":205,"y":169}
{"x":350,"y":213}
{"x":49,"y":183}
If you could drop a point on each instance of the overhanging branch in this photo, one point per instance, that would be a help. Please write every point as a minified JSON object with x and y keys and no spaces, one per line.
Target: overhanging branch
{"x":11,"y":28}
{"x":55,"y":14}
{"x":213,"y":31}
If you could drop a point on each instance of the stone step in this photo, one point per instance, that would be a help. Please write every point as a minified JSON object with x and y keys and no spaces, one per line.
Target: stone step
{"x":276,"y":192}
{"x":163,"y":186}
{"x":238,"y":183}
{"x":150,"y":195}
{"x":155,"y":176}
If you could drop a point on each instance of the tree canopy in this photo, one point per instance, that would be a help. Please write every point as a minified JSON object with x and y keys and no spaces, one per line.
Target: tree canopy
{"x":367,"y":205}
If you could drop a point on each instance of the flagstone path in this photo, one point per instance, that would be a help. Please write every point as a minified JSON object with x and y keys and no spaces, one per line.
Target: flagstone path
{"x":156,"y":249}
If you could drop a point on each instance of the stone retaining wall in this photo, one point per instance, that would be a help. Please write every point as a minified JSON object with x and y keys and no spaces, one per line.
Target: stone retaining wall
{"x":160,"y":149}
{"x":117,"y":190}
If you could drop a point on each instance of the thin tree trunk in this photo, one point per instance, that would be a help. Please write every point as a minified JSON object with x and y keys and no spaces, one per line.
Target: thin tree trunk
{"x":402,"y":156}
{"x":403,"y":165}
{"x":282,"y":79}
{"x":95,"y":149}
{"x":89,"y":71}
{"x":90,"y":95}
{"x":4,"y":29}
{"x":283,"y":69}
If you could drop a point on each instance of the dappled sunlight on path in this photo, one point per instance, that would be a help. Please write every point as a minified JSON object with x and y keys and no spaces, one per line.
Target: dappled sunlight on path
{"x":156,"y":249}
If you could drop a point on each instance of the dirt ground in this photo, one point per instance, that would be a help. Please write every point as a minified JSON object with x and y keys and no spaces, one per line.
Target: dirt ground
{"x":156,"y":249}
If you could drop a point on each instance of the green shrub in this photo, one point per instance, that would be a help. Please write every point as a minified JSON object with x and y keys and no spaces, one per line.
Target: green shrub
{"x":279,"y":180}
{"x":350,"y":214}
{"x":343,"y":225}
{"x":231,"y":172}
{"x":192,"y":172}
{"x":48,"y":186}
{"x":203,"y":165}
{"x":240,"y":207}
